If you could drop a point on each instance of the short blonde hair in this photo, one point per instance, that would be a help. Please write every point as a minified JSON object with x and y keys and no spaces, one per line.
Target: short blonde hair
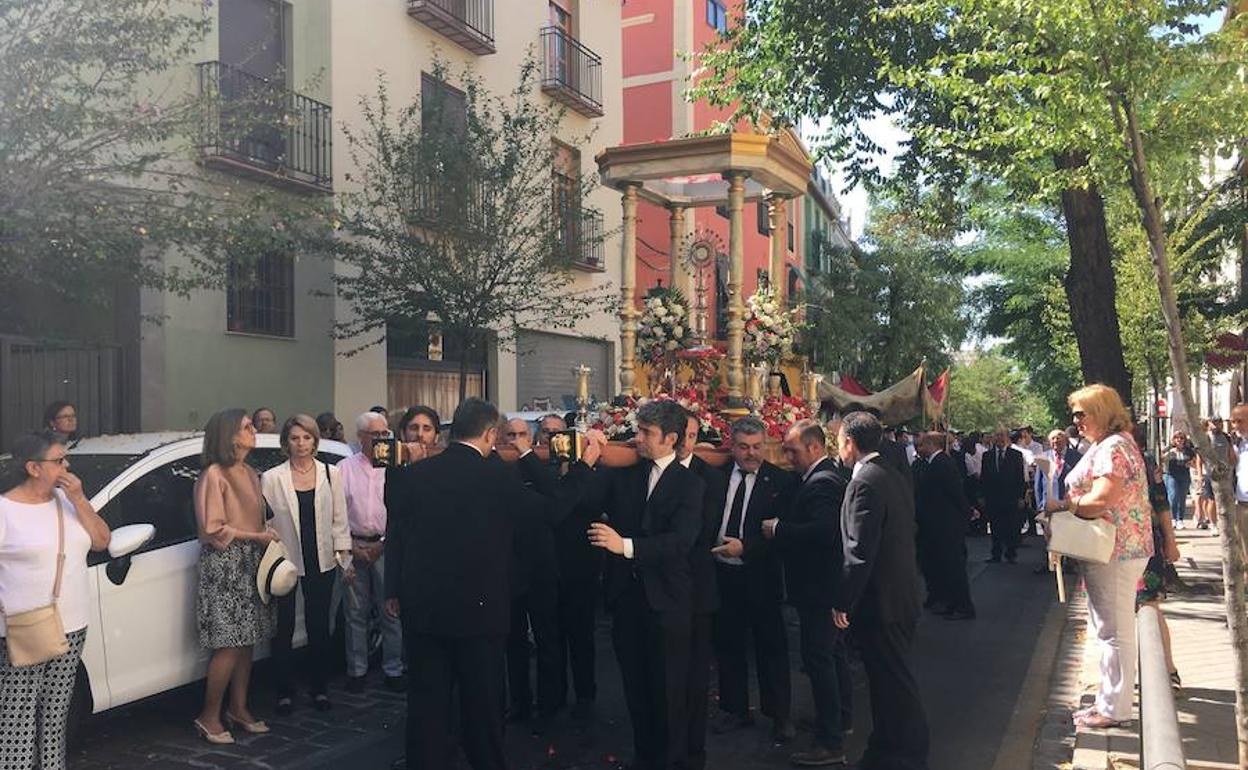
{"x":1103,"y":406}
{"x":299,"y":421}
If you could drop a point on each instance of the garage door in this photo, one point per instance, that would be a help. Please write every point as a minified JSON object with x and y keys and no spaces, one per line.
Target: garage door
{"x":544,"y":368}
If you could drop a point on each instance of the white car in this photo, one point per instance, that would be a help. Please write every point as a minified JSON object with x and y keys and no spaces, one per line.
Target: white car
{"x":142,"y":638}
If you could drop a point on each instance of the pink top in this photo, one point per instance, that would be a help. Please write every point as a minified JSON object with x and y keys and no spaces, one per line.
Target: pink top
{"x":1118,"y":457}
{"x":366,"y":489}
{"x":227,"y":502}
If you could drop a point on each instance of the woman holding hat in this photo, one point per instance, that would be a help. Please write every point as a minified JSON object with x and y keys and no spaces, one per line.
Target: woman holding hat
{"x":229,"y":509}
{"x":309,"y":508}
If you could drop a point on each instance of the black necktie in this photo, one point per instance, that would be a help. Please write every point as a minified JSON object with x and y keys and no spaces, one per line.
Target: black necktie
{"x":738,"y":507}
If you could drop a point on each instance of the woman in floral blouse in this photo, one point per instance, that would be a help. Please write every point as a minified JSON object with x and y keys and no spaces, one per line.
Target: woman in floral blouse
{"x":1111,"y":483}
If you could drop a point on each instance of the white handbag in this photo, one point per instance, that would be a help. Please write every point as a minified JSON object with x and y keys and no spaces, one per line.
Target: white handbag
{"x":1083,"y":539}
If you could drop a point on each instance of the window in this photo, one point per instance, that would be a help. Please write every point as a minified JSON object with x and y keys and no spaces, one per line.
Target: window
{"x":164,"y":498}
{"x":717,"y":15}
{"x":764,"y":224}
{"x":260,"y":296}
{"x":790,"y":238}
{"x":566,"y":200}
{"x":442,"y":107}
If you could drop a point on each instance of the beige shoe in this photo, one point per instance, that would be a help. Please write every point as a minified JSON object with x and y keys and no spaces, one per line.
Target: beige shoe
{"x":257,"y":727}
{"x":222,"y":738}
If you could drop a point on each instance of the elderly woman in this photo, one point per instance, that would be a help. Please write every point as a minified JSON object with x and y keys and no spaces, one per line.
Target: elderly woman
{"x":309,"y":508}
{"x":61,"y":417}
{"x":1111,"y":482}
{"x":43,"y":501}
{"x":229,"y":509}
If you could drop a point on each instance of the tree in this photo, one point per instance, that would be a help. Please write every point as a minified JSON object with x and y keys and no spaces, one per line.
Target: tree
{"x":96,"y":151}
{"x":988,"y":389}
{"x":877,"y":311}
{"x":462,"y":215}
{"x":794,"y":59}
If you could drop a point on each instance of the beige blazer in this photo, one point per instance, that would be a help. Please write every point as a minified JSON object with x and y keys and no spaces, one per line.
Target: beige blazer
{"x":332,"y":534}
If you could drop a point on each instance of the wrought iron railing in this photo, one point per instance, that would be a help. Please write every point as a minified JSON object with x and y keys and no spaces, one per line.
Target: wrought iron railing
{"x":580,"y":237}
{"x":470,"y":23}
{"x":571,"y":73}
{"x":447,"y":203}
{"x":254,"y":124}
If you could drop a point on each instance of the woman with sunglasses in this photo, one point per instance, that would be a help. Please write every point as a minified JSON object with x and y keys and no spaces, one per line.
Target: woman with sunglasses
{"x":1111,"y":482}
{"x":41,"y":497}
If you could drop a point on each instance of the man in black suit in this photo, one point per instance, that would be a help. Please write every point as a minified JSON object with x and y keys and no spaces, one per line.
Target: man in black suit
{"x":580,"y":573}
{"x":705,"y":594}
{"x":448,"y":563}
{"x":655,"y":512}
{"x":808,"y":537}
{"x":751,"y":586}
{"x":534,"y":586}
{"x":1003,"y":483}
{"x":878,"y":596}
{"x":942,"y":513}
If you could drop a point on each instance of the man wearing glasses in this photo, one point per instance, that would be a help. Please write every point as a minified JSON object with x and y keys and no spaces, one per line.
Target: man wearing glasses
{"x":365,"y":488}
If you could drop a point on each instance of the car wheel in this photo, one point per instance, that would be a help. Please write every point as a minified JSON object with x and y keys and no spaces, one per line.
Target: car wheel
{"x":80,"y":707}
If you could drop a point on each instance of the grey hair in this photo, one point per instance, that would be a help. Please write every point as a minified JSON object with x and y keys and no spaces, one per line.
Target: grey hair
{"x":365,"y":420}
{"x":748,"y":426}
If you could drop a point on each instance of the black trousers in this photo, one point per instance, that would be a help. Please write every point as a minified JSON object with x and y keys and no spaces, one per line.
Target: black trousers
{"x":578,"y":600}
{"x":899,"y":737}
{"x":826,"y":660}
{"x":1007,"y":522}
{"x":950,"y":563}
{"x":318,"y":589}
{"x":471,"y":666}
{"x":700,"y":650}
{"x":653,"y":652}
{"x":929,"y":566}
{"x":739,"y":618}
{"x":537,"y":608}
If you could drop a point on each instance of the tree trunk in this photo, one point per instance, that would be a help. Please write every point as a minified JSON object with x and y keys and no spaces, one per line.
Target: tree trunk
{"x":1233,"y":578}
{"x":1090,"y":286}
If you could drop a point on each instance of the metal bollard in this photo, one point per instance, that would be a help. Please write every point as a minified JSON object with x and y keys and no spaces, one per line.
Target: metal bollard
{"x":1161,"y":746}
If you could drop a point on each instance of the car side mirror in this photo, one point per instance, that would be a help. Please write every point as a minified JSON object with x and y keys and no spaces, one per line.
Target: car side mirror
{"x":128,"y":539}
{"x":117,"y":569}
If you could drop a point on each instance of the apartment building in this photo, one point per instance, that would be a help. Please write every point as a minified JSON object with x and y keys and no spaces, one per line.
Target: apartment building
{"x":823,"y":219}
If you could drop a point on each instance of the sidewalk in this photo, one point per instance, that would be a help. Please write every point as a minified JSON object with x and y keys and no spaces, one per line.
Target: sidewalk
{"x":1202,"y":652}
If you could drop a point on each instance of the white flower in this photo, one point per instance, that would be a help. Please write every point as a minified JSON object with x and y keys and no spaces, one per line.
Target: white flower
{"x":679,"y":331}
{"x":672,"y":344}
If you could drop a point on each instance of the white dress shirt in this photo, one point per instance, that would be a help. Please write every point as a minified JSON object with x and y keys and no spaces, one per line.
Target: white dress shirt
{"x":734,"y":482}
{"x":863,"y":461}
{"x":656,"y":472}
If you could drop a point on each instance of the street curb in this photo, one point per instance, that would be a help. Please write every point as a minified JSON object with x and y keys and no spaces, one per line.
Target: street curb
{"x":1054,"y":738}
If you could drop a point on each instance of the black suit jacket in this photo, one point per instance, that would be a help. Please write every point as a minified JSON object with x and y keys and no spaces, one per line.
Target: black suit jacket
{"x":941,"y":507}
{"x":880,"y":580}
{"x":770,"y":498}
{"x":895,"y":456}
{"x":809,"y":537}
{"x":663,"y":530}
{"x":449,"y":542}
{"x":1002,"y":483}
{"x":701,"y":562}
{"x":535,"y":563}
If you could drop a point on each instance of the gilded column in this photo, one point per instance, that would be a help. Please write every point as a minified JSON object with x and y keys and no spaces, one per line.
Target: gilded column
{"x":778,"y":213}
{"x":679,"y":277}
{"x":628,"y":290}
{"x":736,"y":275}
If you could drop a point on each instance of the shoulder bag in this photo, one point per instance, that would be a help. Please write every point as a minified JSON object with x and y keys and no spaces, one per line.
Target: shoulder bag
{"x":1079,"y":538}
{"x":37,"y":636}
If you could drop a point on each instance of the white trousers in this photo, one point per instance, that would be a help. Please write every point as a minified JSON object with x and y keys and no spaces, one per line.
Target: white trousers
{"x":1111,"y":620}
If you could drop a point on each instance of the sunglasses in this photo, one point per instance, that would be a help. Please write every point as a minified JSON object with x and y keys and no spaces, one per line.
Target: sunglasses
{"x":1078,"y":414}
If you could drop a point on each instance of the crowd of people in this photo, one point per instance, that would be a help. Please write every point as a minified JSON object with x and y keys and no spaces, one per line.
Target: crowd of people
{"x":476,"y":557}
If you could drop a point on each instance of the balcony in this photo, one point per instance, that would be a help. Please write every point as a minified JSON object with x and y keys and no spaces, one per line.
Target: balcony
{"x":470,"y":23}
{"x":571,"y":73}
{"x":257,"y":128}
{"x":580,"y":239}
{"x":449,"y":205}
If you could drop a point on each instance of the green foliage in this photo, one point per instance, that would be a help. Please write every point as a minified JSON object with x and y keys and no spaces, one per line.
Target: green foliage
{"x":97,"y":127}
{"x":880,"y":310}
{"x":455,"y":215}
{"x":988,"y":389}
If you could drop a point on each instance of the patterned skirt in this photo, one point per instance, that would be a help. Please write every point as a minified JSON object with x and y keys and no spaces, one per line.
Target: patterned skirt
{"x":228,"y":608}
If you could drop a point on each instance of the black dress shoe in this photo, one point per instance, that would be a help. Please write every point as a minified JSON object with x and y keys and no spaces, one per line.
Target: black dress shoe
{"x":727,"y":722}
{"x":399,"y":764}
{"x":960,"y":615}
{"x":396,"y":683}
{"x":993,"y":560}
{"x":321,"y":702}
{"x":817,"y":756}
{"x":284,"y":706}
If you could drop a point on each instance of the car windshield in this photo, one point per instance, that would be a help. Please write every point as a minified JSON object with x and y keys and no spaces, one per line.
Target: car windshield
{"x":94,"y":470}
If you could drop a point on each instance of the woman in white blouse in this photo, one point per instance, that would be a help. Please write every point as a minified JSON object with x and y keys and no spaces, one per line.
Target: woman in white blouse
{"x":309,"y":508}
{"x":34,"y":700}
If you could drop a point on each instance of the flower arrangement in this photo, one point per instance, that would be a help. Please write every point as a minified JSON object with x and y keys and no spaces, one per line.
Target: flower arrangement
{"x":779,"y":412}
{"x":619,"y":421}
{"x":664,"y":327}
{"x":769,"y":328}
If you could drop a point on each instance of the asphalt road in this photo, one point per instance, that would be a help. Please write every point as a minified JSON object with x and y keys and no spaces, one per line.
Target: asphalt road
{"x":982,"y":683}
